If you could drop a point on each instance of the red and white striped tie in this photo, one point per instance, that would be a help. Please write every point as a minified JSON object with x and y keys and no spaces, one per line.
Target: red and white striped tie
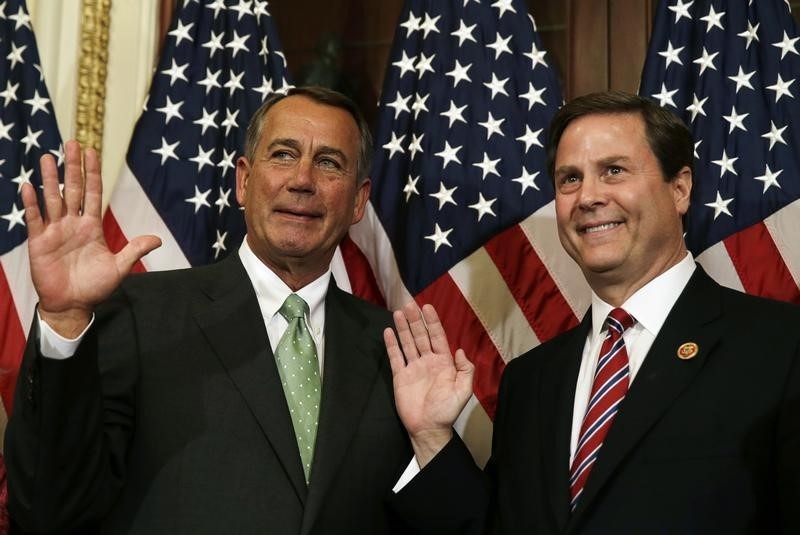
{"x":611,"y":379}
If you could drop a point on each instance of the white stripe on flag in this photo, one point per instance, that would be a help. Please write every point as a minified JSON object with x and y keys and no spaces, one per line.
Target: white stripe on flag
{"x":718,"y":263}
{"x":17,"y":269}
{"x":782,"y":225}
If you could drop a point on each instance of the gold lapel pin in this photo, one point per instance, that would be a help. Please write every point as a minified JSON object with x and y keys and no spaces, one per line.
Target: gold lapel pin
{"x":688,"y":351}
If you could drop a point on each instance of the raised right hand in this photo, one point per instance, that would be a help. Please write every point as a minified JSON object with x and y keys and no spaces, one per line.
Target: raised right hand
{"x":71,"y":266}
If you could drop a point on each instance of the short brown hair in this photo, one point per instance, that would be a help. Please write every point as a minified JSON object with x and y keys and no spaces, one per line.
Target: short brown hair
{"x":321,"y":95}
{"x":668,"y":137}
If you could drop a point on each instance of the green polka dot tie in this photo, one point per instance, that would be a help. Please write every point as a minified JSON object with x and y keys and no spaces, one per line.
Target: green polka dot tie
{"x":296,"y":356}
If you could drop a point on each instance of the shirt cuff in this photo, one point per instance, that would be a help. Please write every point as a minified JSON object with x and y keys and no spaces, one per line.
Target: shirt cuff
{"x":54,"y":346}
{"x":410,"y":472}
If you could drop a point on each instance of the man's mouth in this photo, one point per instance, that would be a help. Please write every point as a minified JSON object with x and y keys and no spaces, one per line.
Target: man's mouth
{"x":589,"y":229}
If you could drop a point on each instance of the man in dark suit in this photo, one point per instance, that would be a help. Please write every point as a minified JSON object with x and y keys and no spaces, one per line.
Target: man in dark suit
{"x":680,"y":413}
{"x":168,"y":402}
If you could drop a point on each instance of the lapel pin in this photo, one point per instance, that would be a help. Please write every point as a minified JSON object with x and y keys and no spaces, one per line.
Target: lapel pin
{"x":688,"y":351}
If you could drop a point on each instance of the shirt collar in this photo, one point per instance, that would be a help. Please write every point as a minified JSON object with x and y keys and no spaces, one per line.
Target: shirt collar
{"x":649,"y":305}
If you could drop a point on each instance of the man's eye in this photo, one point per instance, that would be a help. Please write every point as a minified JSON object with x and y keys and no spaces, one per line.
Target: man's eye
{"x":614,"y":170}
{"x":282,"y":155}
{"x":329,"y":163}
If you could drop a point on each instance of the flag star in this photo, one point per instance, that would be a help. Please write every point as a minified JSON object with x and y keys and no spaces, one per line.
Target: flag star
{"x":20,"y":19}
{"x":497,"y":86}
{"x":16,"y":54}
{"x":24,"y":177}
{"x":395,"y":145}
{"x":787,"y":45}
{"x":424,"y":64}
{"x":9,"y":93}
{"x":483,"y":206}
{"x":713,"y":19}
{"x":706,"y":61}
{"x":671,"y":54}
{"x":416,"y":145}
{"x":176,"y":72}
{"x":265,"y":88}
{"x":219,"y":244}
{"x":735,"y":120}
{"x":696,"y":145}
{"x":244,"y":7}
{"x":31,"y":139}
{"x":230,"y":120}
{"x":200,"y":199}
{"x":769,"y":178}
{"x":665,"y":96}
{"x":492,"y":126}
{"x":5,"y":128}
{"x":530,"y":137}
{"x":37,"y":103}
{"x":459,"y":73}
{"x":182,"y":32}
{"x":227,"y":161}
{"x":449,"y":154}
{"x":210,"y":80}
{"x":696,"y":107}
{"x":166,"y":151}
{"x":234,"y":82}
{"x":429,"y":25}
{"x":464,"y":33}
{"x":223,"y":199}
{"x":203,"y":158}
{"x":264,"y":50}
{"x":59,"y":154}
{"x":411,"y":187}
{"x":536,"y":56}
{"x":526,"y":180}
{"x":725,"y":164}
{"x":742,"y":79}
{"x":419,"y":104}
{"x":500,"y":45}
{"x":412,"y":24}
{"x":206,"y":121}
{"x":503,"y":6}
{"x":14,"y":217}
{"x":400,"y":104}
{"x":439,"y":238}
{"x":214,"y":43}
{"x":237,"y":43}
{"x":406,"y":64}
{"x":171,"y":109}
{"x":750,"y":34}
{"x":720,"y":206}
{"x":260,"y":9}
{"x":487,"y":166}
{"x":216,"y":5}
{"x":681,"y":10}
{"x":444,"y":195}
{"x":455,"y":113}
{"x":775,"y":135}
{"x":781,"y":88}
{"x":534,"y":96}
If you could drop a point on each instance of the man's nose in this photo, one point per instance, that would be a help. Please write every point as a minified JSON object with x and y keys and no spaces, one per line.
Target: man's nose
{"x":303,"y":177}
{"x":591,"y":192}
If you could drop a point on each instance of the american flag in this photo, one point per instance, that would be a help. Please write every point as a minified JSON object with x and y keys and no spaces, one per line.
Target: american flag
{"x":731,"y":69}
{"x":461,"y":211}
{"x":27,"y":131}
{"x":220,"y":61}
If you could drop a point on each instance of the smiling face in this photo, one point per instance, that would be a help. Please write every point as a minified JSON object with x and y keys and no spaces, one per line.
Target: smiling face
{"x":300,"y":193}
{"x":617,"y":216}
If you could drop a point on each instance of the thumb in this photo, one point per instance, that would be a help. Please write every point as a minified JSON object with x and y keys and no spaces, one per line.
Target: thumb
{"x":134,"y":250}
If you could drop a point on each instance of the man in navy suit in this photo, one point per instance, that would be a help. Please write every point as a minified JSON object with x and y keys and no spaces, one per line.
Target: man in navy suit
{"x":683,"y":418}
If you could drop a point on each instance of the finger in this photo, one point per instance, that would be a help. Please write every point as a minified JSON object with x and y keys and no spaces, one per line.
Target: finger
{"x":134,"y":250}
{"x":396,"y":360}
{"x":404,"y":334}
{"x":438,"y":336}
{"x":73,"y":178}
{"x":33,"y":217}
{"x":418,"y":329}
{"x":53,"y":203}
{"x":93,"y":195}
{"x":465,"y":374}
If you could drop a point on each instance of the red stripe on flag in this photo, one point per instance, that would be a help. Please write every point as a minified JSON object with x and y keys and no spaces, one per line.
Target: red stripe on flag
{"x":529,"y":281}
{"x":465,"y":330}
{"x":12,"y":343}
{"x":116,"y":239}
{"x":362,"y":280}
{"x":760,"y":265}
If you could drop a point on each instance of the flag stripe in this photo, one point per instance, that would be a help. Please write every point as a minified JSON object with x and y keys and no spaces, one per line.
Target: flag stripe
{"x":12,"y":335}
{"x":116,"y":239}
{"x":362,"y":281}
{"x":782,"y":226}
{"x":719,"y":265}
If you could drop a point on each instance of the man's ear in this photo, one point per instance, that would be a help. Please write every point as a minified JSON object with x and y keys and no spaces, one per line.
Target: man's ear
{"x":242,"y":175}
{"x":682,"y":189}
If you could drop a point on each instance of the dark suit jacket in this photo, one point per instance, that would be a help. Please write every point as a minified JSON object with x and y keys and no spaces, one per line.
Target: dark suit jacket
{"x":171,"y":418}
{"x":706,"y":445}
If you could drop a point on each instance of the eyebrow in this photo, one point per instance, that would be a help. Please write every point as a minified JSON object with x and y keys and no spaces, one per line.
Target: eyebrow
{"x":323,"y":150}
{"x":608,"y":160}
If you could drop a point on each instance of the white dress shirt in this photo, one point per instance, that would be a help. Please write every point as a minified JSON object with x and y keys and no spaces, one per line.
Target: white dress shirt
{"x":649,"y":306}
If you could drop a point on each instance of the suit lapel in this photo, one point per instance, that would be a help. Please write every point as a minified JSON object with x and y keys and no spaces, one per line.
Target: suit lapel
{"x":661,"y":379}
{"x":234,"y":328}
{"x":351,"y":368}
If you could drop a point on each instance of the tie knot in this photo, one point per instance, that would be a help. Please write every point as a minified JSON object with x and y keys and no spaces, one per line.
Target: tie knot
{"x":619,"y":320}
{"x":293,"y":307}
